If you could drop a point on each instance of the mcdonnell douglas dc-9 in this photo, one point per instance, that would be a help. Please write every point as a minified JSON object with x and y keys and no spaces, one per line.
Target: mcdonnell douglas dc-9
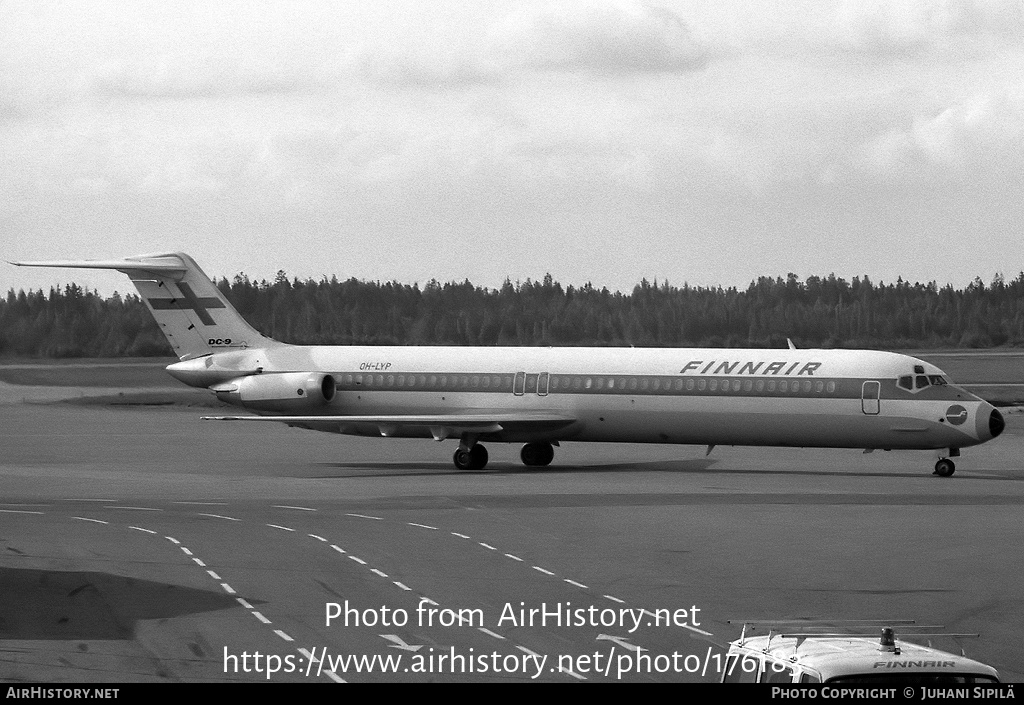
{"x":540,"y":396}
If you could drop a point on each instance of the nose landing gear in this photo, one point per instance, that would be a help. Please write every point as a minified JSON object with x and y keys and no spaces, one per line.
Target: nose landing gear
{"x":945,"y":468}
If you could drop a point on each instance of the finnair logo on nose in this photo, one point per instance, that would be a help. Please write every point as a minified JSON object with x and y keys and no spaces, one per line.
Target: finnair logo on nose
{"x":956,"y":414}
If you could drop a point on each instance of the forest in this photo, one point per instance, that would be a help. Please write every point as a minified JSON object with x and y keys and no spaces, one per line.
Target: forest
{"x":825,"y":312}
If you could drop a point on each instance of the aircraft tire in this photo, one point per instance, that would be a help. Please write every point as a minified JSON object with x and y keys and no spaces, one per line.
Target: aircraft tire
{"x":478,"y":457}
{"x":463,"y":459}
{"x":945,"y":468}
{"x":537,"y":454}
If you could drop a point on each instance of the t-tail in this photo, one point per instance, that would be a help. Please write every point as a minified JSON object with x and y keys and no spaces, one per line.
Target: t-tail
{"x":192,"y":313}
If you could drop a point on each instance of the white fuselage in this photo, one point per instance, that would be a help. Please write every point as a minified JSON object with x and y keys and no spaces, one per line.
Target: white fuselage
{"x":807,"y":397}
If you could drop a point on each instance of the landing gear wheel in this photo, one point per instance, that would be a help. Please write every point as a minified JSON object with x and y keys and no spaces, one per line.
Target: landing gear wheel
{"x":537,"y":454}
{"x":474,"y":458}
{"x":478,"y":457}
{"x":945,"y":468}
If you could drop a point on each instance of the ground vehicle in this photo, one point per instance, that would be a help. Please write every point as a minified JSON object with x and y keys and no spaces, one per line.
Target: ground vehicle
{"x":806,"y":653}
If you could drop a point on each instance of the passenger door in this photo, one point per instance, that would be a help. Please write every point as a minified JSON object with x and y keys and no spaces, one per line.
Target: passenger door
{"x":869,"y":397}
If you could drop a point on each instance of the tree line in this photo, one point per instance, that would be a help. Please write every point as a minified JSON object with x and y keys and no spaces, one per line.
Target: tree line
{"x":815,"y":312}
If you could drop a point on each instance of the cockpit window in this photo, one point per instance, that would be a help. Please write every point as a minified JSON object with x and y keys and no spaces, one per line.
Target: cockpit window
{"x":906,"y":382}
{"x":921,"y":381}
{"x":937,"y":379}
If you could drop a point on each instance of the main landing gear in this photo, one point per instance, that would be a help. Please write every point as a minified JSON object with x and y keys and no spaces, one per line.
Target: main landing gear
{"x":474,"y":457}
{"x":537,"y":454}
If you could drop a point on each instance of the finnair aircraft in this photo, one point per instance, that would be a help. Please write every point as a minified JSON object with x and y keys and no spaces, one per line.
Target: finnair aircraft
{"x":541,"y":396}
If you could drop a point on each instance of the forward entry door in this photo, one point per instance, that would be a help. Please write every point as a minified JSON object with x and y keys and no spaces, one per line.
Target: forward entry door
{"x":870,"y":393}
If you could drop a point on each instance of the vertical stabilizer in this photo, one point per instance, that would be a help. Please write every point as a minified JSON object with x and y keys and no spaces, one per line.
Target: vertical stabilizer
{"x":192,"y":313}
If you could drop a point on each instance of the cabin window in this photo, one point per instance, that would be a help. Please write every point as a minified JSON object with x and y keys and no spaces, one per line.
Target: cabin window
{"x":819,"y":386}
{"x":921,"y":381}
{"x":936,"y":379}
{"x":905,"y":382}
{"x":678,"y":384}
{"x":783,"y":386}
{"x":656,"y":384}
{"x":632,"y":383}
{"x":830,"y":387}
{"x":701,"y":384}
{"x":806,"y":385}
{"x":759,"y":385}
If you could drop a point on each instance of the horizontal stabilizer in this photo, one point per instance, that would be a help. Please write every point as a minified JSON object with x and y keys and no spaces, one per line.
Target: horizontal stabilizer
{"x":162,"y":264}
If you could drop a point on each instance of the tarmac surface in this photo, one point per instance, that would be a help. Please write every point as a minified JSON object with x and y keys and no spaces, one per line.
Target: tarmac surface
{"x":138,"y":543}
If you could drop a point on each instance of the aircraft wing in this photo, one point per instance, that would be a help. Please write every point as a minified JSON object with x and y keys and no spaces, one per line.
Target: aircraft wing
{"x":440,"y":426}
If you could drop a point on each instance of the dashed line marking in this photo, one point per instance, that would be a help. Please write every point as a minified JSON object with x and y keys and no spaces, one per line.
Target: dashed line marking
{"x":334,"y":677}
{"x":487,"y":631}
{"x":137,"y":509}
{"x":18,"y":511}
{"x":546,"y":572}
{"x":213,"y":575}
{"x":429,"y":601}
{"x":461,"y":536}
{"x":259,"y":616}
{"x":283,"y":635}
{"x":205,"y":504}
{"x":173,"y":540}
{"x":185,"y":551}
{"x":364,"y":516}
{"x":243,"y":603}
{"x":318,"y":538}
{"x":515,"y":558}
{"x":198,"y":562}
{"x":139,"y":528}
{"x":378,"y":572}
{"x":94,"y":521}
{"x":579,"y":585}
{"x":86,"y":500}
{"x":283,"y":528}
{"x":337,"y":548}
{"x":285,"y":506}
{"x":615,"y":599}
{"x":528,"y":651}
{"x":228,"y":589}
{"x":422,"y":526}
{"x":403,"y":586}
{"x":487,"y":546}
{"x":360,"y":561}
{"x":217,"y":516}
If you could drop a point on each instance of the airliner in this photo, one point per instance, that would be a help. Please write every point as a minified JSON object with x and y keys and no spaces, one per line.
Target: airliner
{"x":541,"y":396}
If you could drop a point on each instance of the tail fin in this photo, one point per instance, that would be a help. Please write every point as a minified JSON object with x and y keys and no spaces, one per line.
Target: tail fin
{"x":192,"y":314}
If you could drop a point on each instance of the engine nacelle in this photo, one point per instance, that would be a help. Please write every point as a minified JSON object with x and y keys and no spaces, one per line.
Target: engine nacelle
{"x":279,"y":391}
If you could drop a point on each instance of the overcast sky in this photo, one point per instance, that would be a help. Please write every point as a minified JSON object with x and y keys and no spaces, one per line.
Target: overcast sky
{"x":700,"y":141}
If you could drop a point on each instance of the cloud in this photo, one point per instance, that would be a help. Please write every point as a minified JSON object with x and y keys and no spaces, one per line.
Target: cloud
{"x":599,"y":37}
{"x":591,"y":36}
{"x":903,"y":27}
{"x":981,"y":138}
